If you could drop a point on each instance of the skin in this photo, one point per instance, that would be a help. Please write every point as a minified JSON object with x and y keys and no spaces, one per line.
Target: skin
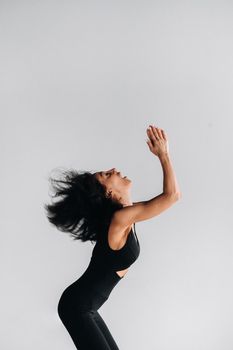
{"x":117,"y":186}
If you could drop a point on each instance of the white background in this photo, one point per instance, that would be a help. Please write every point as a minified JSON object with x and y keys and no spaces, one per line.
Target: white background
{"x":80,"y":83}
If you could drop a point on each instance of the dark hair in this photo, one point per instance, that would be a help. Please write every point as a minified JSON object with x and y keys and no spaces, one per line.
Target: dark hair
{"x":84,"y":211}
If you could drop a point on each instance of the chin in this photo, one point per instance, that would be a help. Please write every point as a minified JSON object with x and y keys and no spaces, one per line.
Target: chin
{"x":129,"y":182}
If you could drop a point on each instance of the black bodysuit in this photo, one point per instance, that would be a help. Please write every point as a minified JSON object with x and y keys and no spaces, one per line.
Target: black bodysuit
{"x":78,"y":304}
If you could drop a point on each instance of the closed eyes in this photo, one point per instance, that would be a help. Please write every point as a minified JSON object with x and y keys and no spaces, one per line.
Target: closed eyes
{"x":101,"y":173}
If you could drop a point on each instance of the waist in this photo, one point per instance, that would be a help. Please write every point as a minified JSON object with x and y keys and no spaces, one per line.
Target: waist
{"x":96,"y":279}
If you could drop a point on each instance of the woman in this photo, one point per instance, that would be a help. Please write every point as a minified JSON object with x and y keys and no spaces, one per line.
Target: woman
{"x":97,"y":207}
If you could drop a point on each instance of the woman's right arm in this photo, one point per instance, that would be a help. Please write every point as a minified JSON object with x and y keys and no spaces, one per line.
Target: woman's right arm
{"x":170,"y":184}
{"x":145,"y":210}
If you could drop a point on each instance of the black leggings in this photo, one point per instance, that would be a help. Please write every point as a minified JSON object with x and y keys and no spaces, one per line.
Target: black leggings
{"x":77,"y":309}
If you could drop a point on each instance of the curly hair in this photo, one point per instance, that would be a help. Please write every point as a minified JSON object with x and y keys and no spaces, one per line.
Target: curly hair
{"x":83,"y":210}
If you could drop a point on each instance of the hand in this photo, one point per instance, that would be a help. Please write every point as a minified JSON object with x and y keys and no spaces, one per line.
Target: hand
{"x":158,"y":142}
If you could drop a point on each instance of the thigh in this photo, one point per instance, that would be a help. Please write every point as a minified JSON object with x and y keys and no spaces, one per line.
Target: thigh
{"x":89,"y":332}
{"x":78,"y":312}
{"x":105,"y":331}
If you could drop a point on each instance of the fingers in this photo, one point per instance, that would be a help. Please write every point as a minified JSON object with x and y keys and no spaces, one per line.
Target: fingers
{"x":149,"y":144}
{"x":156,"y":133}
{"x":164,"y":134}
{"x":153,"y":132}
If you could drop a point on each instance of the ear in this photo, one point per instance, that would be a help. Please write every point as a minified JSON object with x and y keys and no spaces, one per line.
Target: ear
{"x":109,"y":194}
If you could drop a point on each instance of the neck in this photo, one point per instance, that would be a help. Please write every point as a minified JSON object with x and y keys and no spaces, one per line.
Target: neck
{"x":126,"y":201}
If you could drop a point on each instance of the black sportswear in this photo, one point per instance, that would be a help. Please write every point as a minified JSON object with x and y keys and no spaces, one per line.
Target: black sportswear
{"x":78,"y":304}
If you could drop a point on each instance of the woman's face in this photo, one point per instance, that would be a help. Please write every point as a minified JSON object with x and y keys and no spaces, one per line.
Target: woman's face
{"x":112,"y":179}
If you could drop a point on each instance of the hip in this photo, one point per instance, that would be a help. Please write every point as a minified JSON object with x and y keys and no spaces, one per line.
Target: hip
{"x":89,"y":292}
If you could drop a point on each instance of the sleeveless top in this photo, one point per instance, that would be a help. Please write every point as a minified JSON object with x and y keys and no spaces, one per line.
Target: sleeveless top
{"x":107,"y":258}
{"x":100,"y":276}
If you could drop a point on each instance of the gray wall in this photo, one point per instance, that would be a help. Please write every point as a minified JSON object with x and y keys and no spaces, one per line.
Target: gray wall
{"x":80,"y":82}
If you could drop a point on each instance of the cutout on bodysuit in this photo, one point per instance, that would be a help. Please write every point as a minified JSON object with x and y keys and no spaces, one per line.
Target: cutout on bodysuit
{"x":126,"y":270}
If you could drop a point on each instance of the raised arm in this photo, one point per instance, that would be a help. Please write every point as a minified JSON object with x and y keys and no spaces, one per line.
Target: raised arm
{"x":147,"y":209}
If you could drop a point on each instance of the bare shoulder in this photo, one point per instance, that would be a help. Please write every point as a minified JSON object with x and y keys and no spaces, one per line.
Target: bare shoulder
{"x":123,"y":219}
